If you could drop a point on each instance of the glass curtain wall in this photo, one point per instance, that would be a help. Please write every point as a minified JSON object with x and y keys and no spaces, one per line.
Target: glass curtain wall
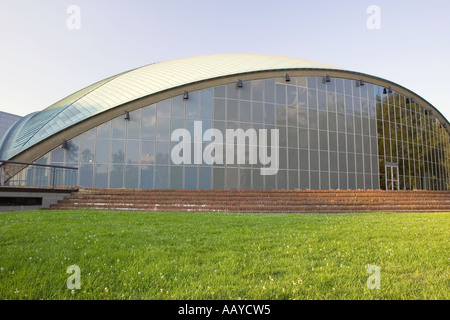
{"x":341,"y":134}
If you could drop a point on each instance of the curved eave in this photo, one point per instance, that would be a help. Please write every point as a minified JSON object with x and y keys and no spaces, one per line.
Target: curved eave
{"x":36,"y":151}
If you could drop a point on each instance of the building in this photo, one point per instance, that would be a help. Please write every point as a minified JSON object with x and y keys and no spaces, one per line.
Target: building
{"x":6,"y":121}
{"x":240,"y":121}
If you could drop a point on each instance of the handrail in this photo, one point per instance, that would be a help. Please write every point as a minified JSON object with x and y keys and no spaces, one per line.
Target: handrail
{"x":16,"y":173}
{"x":37,"y":164}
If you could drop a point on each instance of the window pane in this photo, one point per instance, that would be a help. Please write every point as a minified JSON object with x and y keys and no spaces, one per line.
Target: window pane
{"x":148,"y":122}
{"x":206,"y":102}
{"x":190,"y":177}
{"x":134,"y":125}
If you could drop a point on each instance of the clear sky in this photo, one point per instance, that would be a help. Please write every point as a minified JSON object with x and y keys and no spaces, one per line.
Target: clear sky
{"x":42,"y":60}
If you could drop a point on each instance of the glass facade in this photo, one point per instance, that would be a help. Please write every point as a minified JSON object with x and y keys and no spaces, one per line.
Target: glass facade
{"x":331,"y":135}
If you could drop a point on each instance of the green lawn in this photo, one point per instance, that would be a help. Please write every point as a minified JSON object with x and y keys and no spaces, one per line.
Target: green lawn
{"x":127,"y":255}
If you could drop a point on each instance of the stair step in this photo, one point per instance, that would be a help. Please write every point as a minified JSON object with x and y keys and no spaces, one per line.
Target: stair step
{"x":258,"y":201}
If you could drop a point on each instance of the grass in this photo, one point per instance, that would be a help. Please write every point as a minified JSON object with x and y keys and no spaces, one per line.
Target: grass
{"x":126,"y":255}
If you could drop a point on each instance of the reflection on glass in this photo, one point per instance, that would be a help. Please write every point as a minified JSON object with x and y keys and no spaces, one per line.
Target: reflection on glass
{"x":331,"y":135}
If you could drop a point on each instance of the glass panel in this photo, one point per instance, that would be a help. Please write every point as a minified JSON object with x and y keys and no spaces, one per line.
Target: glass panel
{"x":312,"y":99}
{"x":162,"y":153}
{"x":116,"y":176}
{"x":118,"y":151}
{"x":293,"y":158}
{"x":133,"y":152}
{"x":245,"y":179}
{"x":147,"y":177}
{"x":102,"y":151}
{"x":57,"y":156}
{"x":245,"y":91}
{"x":314,"y":180}
{"x":281,"y":114}
{"x":258,"y":180}
{"x":258,"y":112}
{"x":281,"y":94}
{"x":176,"y":177}
{"x":204,"y":177}
{"x":232,"y":180}
{"x":219,"y":92}
{"x":178,"y":107}
{"x":163,"y":129}
{"x":163,"y":108}
{"x":232,"y":110}
{"x":190,"y":177}
{"x":206,"y":102}
{"x":87,"y":175}
{"x":232,"y":91}
{"x":148,"y":152}
{"x":269,"y":113}
{"x":134,"y":125}
{"x":148,"y":122}
{"x":161,"y":177}
{"x":72,"y":151}
{"x":219,"y":109}
{"x":257,"y":90}
{"x":218,"y":178}
{"x":118,"y":128}
{"x":293,"y":179}
{"x":245,"y":111}
{"x":104,"y":130}
{"x":192,"y":106}
{"x":269,"y":90}
{"x":131,"y":177}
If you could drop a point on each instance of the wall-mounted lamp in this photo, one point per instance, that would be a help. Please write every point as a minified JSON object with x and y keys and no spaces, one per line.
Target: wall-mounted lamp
{"x":65,"y":145}
{"x":288,"y":78}
{"x":407,"y":100}
{"x":126,"y":116}
{"x":384,"y":91}
{"x":412,"y":100}
{"x":361,"y":82}
{"x":389,"y":90}
{"x":327,"y":78}
{"x":240,"y":84}
{"x":185,"y":95}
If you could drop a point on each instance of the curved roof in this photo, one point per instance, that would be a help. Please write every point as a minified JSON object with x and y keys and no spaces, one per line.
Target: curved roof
{"x":106,"y":95}
{"x":135,"y":84}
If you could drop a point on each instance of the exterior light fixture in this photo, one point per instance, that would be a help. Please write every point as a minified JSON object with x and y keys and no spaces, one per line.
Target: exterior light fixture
{"x":361,"y":82}
{"x":327,"y":78}
{"x":288,"y":78}
{"x":185,"y":95}
{"x":65,"y":145}
{"x":412,"y":100}
{"x":407,"y":100}
{"x":389,"y":90}
{"x":384,"y":91}
{"x":240,"y":84}
{"x":126,"y":115}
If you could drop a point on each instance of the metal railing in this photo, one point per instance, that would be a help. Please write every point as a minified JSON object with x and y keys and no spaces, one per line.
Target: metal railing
{"x":23,"y":174}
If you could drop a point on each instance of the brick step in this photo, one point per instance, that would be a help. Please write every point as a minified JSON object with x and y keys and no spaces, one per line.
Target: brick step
{"x":301,"y":201}
{"x":248,"y":205}
{"x":258,"y":196}
{"x":253,"y":202}
{"x":265,"y":192}
{"x":295,"y":209}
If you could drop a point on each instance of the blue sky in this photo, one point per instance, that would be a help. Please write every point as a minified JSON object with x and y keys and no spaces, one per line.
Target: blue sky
{"x":43,"y":61}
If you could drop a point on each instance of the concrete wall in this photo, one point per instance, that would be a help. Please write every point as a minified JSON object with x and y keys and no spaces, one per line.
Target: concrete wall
{"x":49,"y":197}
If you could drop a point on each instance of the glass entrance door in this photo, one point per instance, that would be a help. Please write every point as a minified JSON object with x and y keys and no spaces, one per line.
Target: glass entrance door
{"x":392,"y":180}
